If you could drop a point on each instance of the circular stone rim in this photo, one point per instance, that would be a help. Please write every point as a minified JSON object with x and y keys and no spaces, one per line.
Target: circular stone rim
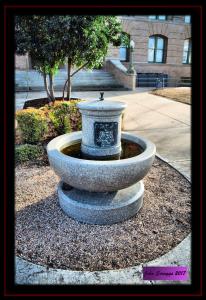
{"x":99,"y":175}
{"x":98,"y":105}
{"x":55,"y":146}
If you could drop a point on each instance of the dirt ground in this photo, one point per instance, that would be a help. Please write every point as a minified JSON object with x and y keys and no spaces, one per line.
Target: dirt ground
{"x":180,"y":94}
{"x":45,"y":235}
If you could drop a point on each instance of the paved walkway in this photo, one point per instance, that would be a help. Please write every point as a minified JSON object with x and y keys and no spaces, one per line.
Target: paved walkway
{"x":163,"y":121}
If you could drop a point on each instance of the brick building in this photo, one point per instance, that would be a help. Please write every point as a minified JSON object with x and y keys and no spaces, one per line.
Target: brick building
{"x":162,"y":47}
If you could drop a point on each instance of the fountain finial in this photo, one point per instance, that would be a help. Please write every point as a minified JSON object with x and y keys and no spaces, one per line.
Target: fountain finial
{"x":101,"y":96}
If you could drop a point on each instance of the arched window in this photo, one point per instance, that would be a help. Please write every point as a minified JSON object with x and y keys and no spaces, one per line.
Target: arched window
{"x":157,"y":49}
{"x":187,"y":50}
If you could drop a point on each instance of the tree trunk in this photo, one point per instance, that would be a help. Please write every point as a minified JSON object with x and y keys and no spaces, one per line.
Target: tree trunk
{"x":46,"y":86}
{"x":51,"y":87}
{"x":69,"y":80}
{"x":64,"y":89}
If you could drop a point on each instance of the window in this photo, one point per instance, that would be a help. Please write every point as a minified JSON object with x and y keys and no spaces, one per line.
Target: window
{"x":157,"y":49}
{"x":157,"y":17}
{"x":187,"y":19}
{"x":124,"y":47}
{"x":122,"y":53}
{"x":187,"y":51}
{"x":152,"y":17}
{"x":161,"y":17}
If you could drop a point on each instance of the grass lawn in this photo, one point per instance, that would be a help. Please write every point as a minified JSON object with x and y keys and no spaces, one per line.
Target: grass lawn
{"x":180,"y":94}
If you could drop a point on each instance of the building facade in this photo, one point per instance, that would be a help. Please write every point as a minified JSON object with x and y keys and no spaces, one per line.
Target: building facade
{"x":162,"y":46}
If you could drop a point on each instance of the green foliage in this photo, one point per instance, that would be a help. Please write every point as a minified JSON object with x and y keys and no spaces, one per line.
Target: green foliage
{"x":36,"y":125}
{"x":28,"y":152}
{"x":50,"y":40}
{"x":65,"y":116}
{"x":89,"y":38}
{"x":75,"y":115}
{"x":125,"y":39}
{"x":36,"y":35}
{"x":60,"y":119}
{"x":32,"y":123}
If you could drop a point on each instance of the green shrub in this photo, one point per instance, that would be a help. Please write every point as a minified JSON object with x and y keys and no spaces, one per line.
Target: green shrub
{"x":65,"y":116}
{"x":32,"y":123}
{"x":58,"y":115}
{"x":75,"y":115}
{"x":37,"y":125}
{"x":28,"y":152}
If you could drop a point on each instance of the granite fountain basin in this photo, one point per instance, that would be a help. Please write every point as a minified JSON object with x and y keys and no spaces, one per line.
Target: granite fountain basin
{"x":98,"y":175}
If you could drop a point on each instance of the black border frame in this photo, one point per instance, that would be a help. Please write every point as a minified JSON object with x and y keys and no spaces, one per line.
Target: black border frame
{"x":195,"y":8}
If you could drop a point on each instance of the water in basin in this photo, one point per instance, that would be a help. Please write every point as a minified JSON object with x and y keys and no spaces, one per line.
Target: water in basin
{"x":129,"y":149}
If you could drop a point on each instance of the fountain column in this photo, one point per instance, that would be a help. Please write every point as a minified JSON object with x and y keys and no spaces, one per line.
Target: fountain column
{"x":101,"y":128}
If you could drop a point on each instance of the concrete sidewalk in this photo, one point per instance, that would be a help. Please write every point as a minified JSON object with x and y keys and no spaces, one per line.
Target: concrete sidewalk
{"x":163,"y":121}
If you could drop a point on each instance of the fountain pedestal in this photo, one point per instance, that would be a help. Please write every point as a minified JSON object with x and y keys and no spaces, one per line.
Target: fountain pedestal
{"x":101,"y":208}
{"x":93,"y":189}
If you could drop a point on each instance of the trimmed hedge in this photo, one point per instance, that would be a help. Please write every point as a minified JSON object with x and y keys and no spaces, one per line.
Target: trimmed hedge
{"x":65,"y":116}
{"x":59,"y":118}
{"x":28,"y":152}
{"x":33,"y":124}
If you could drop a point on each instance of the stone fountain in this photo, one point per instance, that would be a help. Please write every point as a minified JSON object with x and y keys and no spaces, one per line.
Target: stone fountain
{"x":101,"y":168}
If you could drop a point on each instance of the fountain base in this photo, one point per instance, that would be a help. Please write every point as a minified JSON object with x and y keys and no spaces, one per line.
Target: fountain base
{"x":102,"y":208}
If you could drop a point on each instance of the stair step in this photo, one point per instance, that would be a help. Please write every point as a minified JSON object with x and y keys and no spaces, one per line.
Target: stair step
{"x":83,"y":80}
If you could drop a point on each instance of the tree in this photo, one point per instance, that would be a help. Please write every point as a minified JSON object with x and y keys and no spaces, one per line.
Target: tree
{"x":83,"y":40}
{"x":87,"y":42}
{"x":34,"y":35}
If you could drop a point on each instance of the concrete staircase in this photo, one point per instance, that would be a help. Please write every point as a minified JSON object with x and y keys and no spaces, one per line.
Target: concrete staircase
{"x":82,"y":81}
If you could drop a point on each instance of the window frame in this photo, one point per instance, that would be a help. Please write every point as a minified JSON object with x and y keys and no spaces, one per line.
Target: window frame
{"x":164,"y":49}
{"x":127,"y":50}
{"x":189,"y":19}
{"x":189,"y":52}
{"x":126,"y":59}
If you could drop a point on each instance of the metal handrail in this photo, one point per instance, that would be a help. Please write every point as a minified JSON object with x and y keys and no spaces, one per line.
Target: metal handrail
{"x":163,"y":81}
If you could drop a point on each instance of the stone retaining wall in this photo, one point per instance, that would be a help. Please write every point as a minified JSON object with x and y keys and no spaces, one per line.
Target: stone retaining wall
{"x":119,"y":71}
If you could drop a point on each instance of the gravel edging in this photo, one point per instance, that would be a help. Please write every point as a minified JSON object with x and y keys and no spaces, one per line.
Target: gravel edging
{"x":128,"y":263}
{"x":29,"y":273}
